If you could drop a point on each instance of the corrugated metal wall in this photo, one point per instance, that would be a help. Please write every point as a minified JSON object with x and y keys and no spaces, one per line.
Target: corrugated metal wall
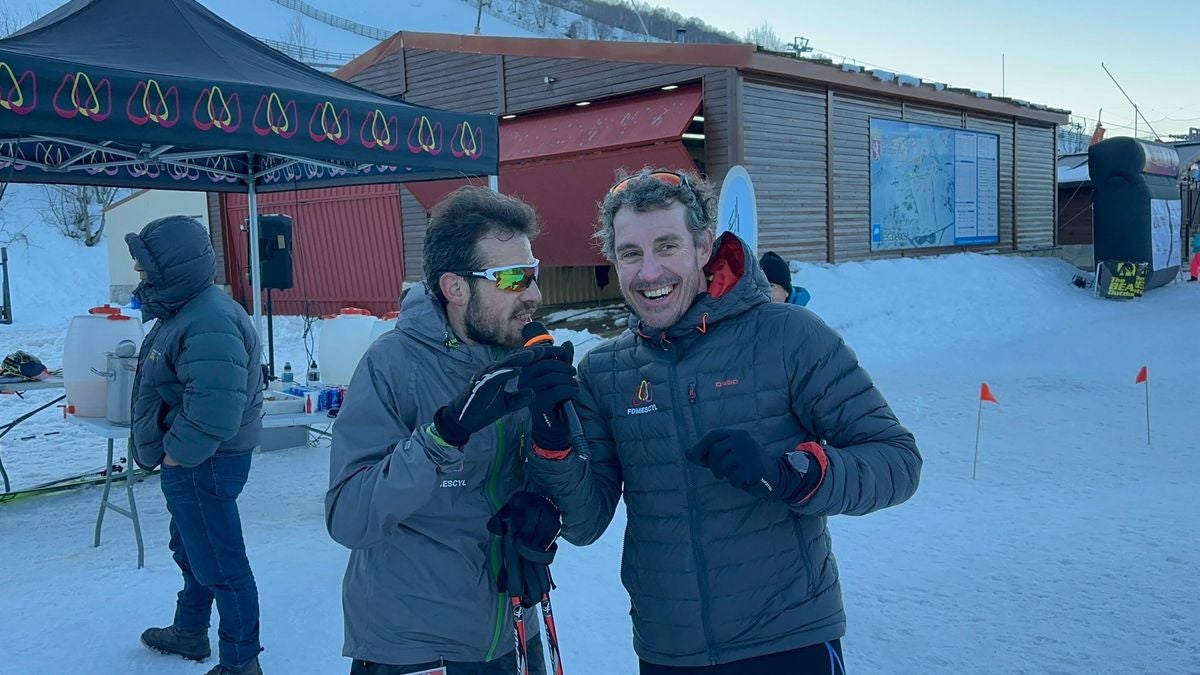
{"x":1036,"y":186}
{"x":346,"y":248}
{"x":784,"y":152}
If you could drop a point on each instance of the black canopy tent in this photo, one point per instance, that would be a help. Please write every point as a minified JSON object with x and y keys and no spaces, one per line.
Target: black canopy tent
{"x":166,"y":94}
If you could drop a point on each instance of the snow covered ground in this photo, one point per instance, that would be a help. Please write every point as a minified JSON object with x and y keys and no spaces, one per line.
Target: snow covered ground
{"x":1073,"y":552}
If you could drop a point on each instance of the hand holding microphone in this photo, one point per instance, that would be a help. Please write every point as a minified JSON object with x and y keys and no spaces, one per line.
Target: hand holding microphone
{"x":552,"y":380}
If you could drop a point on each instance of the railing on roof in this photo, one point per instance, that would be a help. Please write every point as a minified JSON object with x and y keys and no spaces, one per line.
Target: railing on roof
{"x":316,"y":58}
{"x":335,"y":20}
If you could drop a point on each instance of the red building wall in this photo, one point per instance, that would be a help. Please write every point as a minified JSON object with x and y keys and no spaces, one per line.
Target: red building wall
{"x":347,"y":248}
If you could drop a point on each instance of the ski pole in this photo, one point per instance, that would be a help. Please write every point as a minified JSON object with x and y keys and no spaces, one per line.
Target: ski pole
{"x":518,"y":617}
{"x":551,"y":635}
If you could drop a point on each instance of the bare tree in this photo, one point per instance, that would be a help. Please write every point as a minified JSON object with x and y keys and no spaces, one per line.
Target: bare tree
{"x":545,"y":15}
{"x":77,"y":210}
{"x":522,"y":8}
{"x":601,"y":30}
{"x":764,"y":36}
{"x":296,"y":33}
{"x":13,"y":18}
{"x":576,"y":30}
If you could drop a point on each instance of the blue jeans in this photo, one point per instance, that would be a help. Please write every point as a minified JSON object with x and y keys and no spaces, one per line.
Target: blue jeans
{"x":207,"y":544}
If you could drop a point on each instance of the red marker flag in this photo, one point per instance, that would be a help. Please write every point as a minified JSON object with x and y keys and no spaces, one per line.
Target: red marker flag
{"x":1143,"y":375}
{"x":985,"y":394}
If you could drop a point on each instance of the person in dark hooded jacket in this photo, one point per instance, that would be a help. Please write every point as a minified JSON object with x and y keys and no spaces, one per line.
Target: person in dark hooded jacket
{"x":197,"y":405}
{"x":733,"y":426}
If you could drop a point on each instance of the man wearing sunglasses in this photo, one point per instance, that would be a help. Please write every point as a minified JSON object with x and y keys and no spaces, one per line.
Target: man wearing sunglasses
{"x":427,"y":448}
{"x":734,"y":427}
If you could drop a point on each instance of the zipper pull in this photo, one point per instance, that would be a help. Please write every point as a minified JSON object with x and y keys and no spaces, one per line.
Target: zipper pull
{"x":691,"y":392}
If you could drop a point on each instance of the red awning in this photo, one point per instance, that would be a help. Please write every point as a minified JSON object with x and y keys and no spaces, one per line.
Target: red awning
{"x":567,"y":191}
{"x":562,"y":162}
{"x":624,"y":123}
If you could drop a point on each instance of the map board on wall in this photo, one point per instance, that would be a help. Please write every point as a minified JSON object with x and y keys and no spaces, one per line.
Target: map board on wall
{"x":933,"y":186}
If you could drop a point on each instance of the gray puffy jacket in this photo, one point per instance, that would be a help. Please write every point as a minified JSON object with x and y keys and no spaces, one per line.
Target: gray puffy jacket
{"x":715,"y":575}
{"x":421,"y":581}
{"x":198,"y":388}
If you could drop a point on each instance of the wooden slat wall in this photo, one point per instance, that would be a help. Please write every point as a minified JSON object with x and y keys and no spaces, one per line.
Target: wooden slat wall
{"x":852,"y":174}
{"x":462,"y":82}
{"x":1036,"y":183}
{"x":784,"y":136}
{"x":1003,"y":129}
{"x":718,"y":128}
{"x":1075,"y":221}
{"x":923,"y":115}
{"x":414,"y":219}
{"x":386,"y":77}
{"x":582,"y":80}
{"x":569,"y":285}
{"x":217,"y":233}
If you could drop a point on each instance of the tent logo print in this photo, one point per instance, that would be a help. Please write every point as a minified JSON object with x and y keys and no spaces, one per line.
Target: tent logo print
{"x":272,"y":116}
{"x":334,"y":125}
{"x":384,"y":131}
{"x":95,"y":103}
{"x":213,"y":109}
{"x":12,"y":91}
{"x":467,"y":141}
{"x":156,"y":106}
{"x":428,"y":137}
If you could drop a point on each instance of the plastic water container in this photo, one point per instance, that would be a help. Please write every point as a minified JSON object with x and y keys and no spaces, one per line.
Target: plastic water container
{"x":383,"y":325}
{"x":344,"y":338}
{"x":90,"y":338}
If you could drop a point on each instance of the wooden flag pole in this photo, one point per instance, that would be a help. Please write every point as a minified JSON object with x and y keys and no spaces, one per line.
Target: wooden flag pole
{"x":978,"y":425}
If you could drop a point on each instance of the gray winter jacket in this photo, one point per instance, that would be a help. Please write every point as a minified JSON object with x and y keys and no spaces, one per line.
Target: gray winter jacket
{"x":198,"y":388}
{"x":716,"y":575}
{"x":421,"y":581}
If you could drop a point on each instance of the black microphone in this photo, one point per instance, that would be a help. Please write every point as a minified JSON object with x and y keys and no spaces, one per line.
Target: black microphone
{"x":534,"y":333}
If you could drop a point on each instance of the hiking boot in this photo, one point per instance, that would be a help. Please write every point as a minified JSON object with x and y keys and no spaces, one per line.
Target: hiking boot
{"x":251,"y":668}
{"x":186,"y":643}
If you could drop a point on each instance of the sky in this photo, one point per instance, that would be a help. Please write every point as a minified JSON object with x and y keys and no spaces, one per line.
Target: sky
{"x":1051,"y":51}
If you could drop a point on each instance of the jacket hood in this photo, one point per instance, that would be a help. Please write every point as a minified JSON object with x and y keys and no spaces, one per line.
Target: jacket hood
{"x":178,"y":258}
{"x":423,"y":318}
{"x":735,"y":284}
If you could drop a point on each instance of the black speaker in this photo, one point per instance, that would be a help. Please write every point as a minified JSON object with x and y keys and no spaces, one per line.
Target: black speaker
{"x":274,"y":250}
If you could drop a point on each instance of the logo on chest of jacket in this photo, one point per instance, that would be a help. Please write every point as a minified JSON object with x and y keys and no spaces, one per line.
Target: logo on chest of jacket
{"x":643,"y":400}
{"x":154,"y":355}
{"x":732,"y":382}
{"x":454,"y":483}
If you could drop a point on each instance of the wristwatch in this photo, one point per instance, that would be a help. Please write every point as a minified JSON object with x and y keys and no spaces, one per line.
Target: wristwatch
{"x":800,"y":461}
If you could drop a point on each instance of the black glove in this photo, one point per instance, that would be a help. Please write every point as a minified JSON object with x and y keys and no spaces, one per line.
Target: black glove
{"x":527,"y":524}
{"x":552,"y":381}
{"x":484,"y":400}
{"x":734,"y":455}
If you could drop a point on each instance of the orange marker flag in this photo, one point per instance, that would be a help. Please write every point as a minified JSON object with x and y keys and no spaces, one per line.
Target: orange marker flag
{"x":1143,"y":377}
{"x":985,"y":394}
